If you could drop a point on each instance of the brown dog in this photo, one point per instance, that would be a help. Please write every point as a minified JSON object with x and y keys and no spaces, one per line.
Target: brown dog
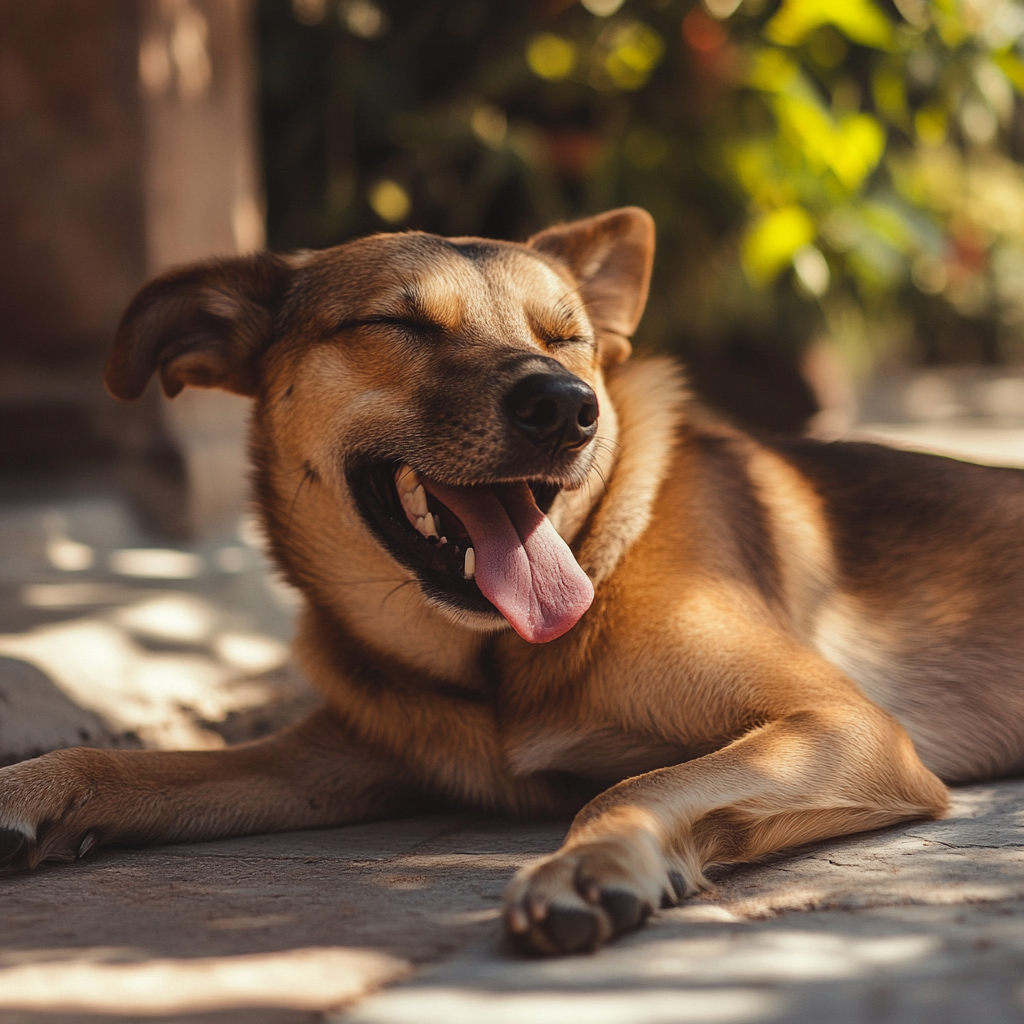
{"x":753,"y":644}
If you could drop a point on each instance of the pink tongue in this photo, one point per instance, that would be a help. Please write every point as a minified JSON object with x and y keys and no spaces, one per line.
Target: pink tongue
{"x":522,"y":566}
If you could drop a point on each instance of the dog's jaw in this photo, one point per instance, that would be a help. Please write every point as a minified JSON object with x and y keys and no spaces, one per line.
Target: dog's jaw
{"x":518,"y":562}
{"x":343,"y":567}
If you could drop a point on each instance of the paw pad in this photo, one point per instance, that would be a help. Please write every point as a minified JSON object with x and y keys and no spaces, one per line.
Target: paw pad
{"x":571,"y":930}
{"x":625,"y":910}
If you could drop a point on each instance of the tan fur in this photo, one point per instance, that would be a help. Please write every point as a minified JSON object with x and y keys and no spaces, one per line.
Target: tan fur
{"x":781,"y":631}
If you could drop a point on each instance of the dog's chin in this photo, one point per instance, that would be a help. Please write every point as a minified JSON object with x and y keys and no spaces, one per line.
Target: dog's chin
{"x":437,"y":561}
{"x":489,"y":622}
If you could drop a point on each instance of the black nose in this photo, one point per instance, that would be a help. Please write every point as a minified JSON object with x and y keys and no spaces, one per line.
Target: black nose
{"x":554,"y":410}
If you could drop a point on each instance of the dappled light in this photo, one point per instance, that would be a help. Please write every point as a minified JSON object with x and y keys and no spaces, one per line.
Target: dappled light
{"x":651,"y":1006}
{"x":142,"y":662}
{"x":62,"y":552}
{"x":390,"y":201}
{"x":309,"y":979}
{"x":551,"y":57}
{"x":177,"y":53}
{"x":172,"y":617}
{"x":156,"y":563}
{"x":250,"y":652}
{"x":784,"y":954}
{"x":71,"y":595}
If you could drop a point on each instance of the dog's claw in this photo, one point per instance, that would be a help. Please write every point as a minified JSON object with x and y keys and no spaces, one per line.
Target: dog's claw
{"x":678,"y":884}
{"x":517,"y":921}
{"x":679,"y":890}
{"x":538,"y":908}
{"x":88,"y":843}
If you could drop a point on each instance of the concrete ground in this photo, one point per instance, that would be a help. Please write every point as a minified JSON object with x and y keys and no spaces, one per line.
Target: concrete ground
{"x":396,"y":923}
{"x":109,"y":637}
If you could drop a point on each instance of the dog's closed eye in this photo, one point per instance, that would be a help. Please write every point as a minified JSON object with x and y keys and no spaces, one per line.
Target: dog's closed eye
{"x":552,"y":338}
{"x":413,"y":326}
{"x":561,"y":328}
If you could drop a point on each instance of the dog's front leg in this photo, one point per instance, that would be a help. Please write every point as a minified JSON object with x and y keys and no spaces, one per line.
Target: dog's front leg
{"x":807,"y":775}
{"x":66,"y":803}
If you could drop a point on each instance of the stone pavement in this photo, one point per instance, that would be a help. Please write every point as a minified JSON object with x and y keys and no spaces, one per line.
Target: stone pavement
{"x":110,"y":637}
{"x":915,"y":923}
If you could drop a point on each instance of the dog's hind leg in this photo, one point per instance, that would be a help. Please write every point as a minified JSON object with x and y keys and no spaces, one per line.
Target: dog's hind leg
{"x":66,"y":803}
{"x":831,"y":765}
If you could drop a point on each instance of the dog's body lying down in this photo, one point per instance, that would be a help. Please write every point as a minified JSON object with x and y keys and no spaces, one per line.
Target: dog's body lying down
{"x":753,"y":644}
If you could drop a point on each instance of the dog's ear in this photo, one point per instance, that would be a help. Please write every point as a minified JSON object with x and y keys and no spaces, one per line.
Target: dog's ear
{"x":205,"y":324}
{"x":611,"y":256}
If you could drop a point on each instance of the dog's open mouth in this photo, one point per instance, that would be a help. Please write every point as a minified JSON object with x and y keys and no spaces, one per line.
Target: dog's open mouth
{"x":483,"y":548}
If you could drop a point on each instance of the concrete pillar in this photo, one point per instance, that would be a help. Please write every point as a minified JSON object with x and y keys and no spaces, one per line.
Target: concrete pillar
{"x":127,"y":145}
{"x":202,"y":198}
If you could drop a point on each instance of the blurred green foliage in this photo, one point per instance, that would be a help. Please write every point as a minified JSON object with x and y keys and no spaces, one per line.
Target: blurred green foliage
{"x":845,"y":169}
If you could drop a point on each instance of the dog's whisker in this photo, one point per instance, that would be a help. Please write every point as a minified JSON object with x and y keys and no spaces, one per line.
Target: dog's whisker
{"x":395,"y":590}
{"x":599,"y":473}
{"x":339,"y":581}
{"x":308,"y":474}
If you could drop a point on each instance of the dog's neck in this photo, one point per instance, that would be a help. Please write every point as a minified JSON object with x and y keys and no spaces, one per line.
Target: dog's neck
{"x":345,"y":573}
{"x":650,"y":396}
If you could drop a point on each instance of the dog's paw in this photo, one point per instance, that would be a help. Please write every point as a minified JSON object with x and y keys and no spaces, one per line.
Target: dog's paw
{"x":43,"y":814}
{"x":577,"y":899}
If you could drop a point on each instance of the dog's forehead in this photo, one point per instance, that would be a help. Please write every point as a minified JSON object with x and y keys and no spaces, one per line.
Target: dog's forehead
{"x":453,"y":282}
{"x":524,"y":277}
{"x":474,"y":280}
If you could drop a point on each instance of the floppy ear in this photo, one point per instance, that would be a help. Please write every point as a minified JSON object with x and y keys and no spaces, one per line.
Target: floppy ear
{"x":611,"y":256}
{"x":205,"y":324}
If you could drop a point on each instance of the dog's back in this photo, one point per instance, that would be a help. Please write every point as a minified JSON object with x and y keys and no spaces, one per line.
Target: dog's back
{"x":928,"y":613}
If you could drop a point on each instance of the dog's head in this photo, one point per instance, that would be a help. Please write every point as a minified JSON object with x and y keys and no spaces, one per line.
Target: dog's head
{"x":439,"y":393}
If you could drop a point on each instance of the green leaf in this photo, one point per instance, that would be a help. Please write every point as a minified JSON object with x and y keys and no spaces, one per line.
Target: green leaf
{"x":769,"y":244}
{"x":1012,"y":66}
{"x":859,"y":20}
{"x":772,"y":70}
{"x":551,"y":57}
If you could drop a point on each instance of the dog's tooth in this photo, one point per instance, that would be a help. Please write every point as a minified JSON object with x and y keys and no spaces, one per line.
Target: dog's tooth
{"x":407,"y":508}
{"x":437,"y":525}
{"x":425,"y":524}
{"x":418,"y":502}
{"x":406,"y":480}
{"x":469,"y":570}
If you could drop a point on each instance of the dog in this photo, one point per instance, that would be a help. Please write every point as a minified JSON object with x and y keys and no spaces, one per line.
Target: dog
{"x":537,"y":582}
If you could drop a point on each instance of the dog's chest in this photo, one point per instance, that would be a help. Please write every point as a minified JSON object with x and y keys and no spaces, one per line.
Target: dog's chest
{"x":602,"y":754}
{"x":552,"y":719}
